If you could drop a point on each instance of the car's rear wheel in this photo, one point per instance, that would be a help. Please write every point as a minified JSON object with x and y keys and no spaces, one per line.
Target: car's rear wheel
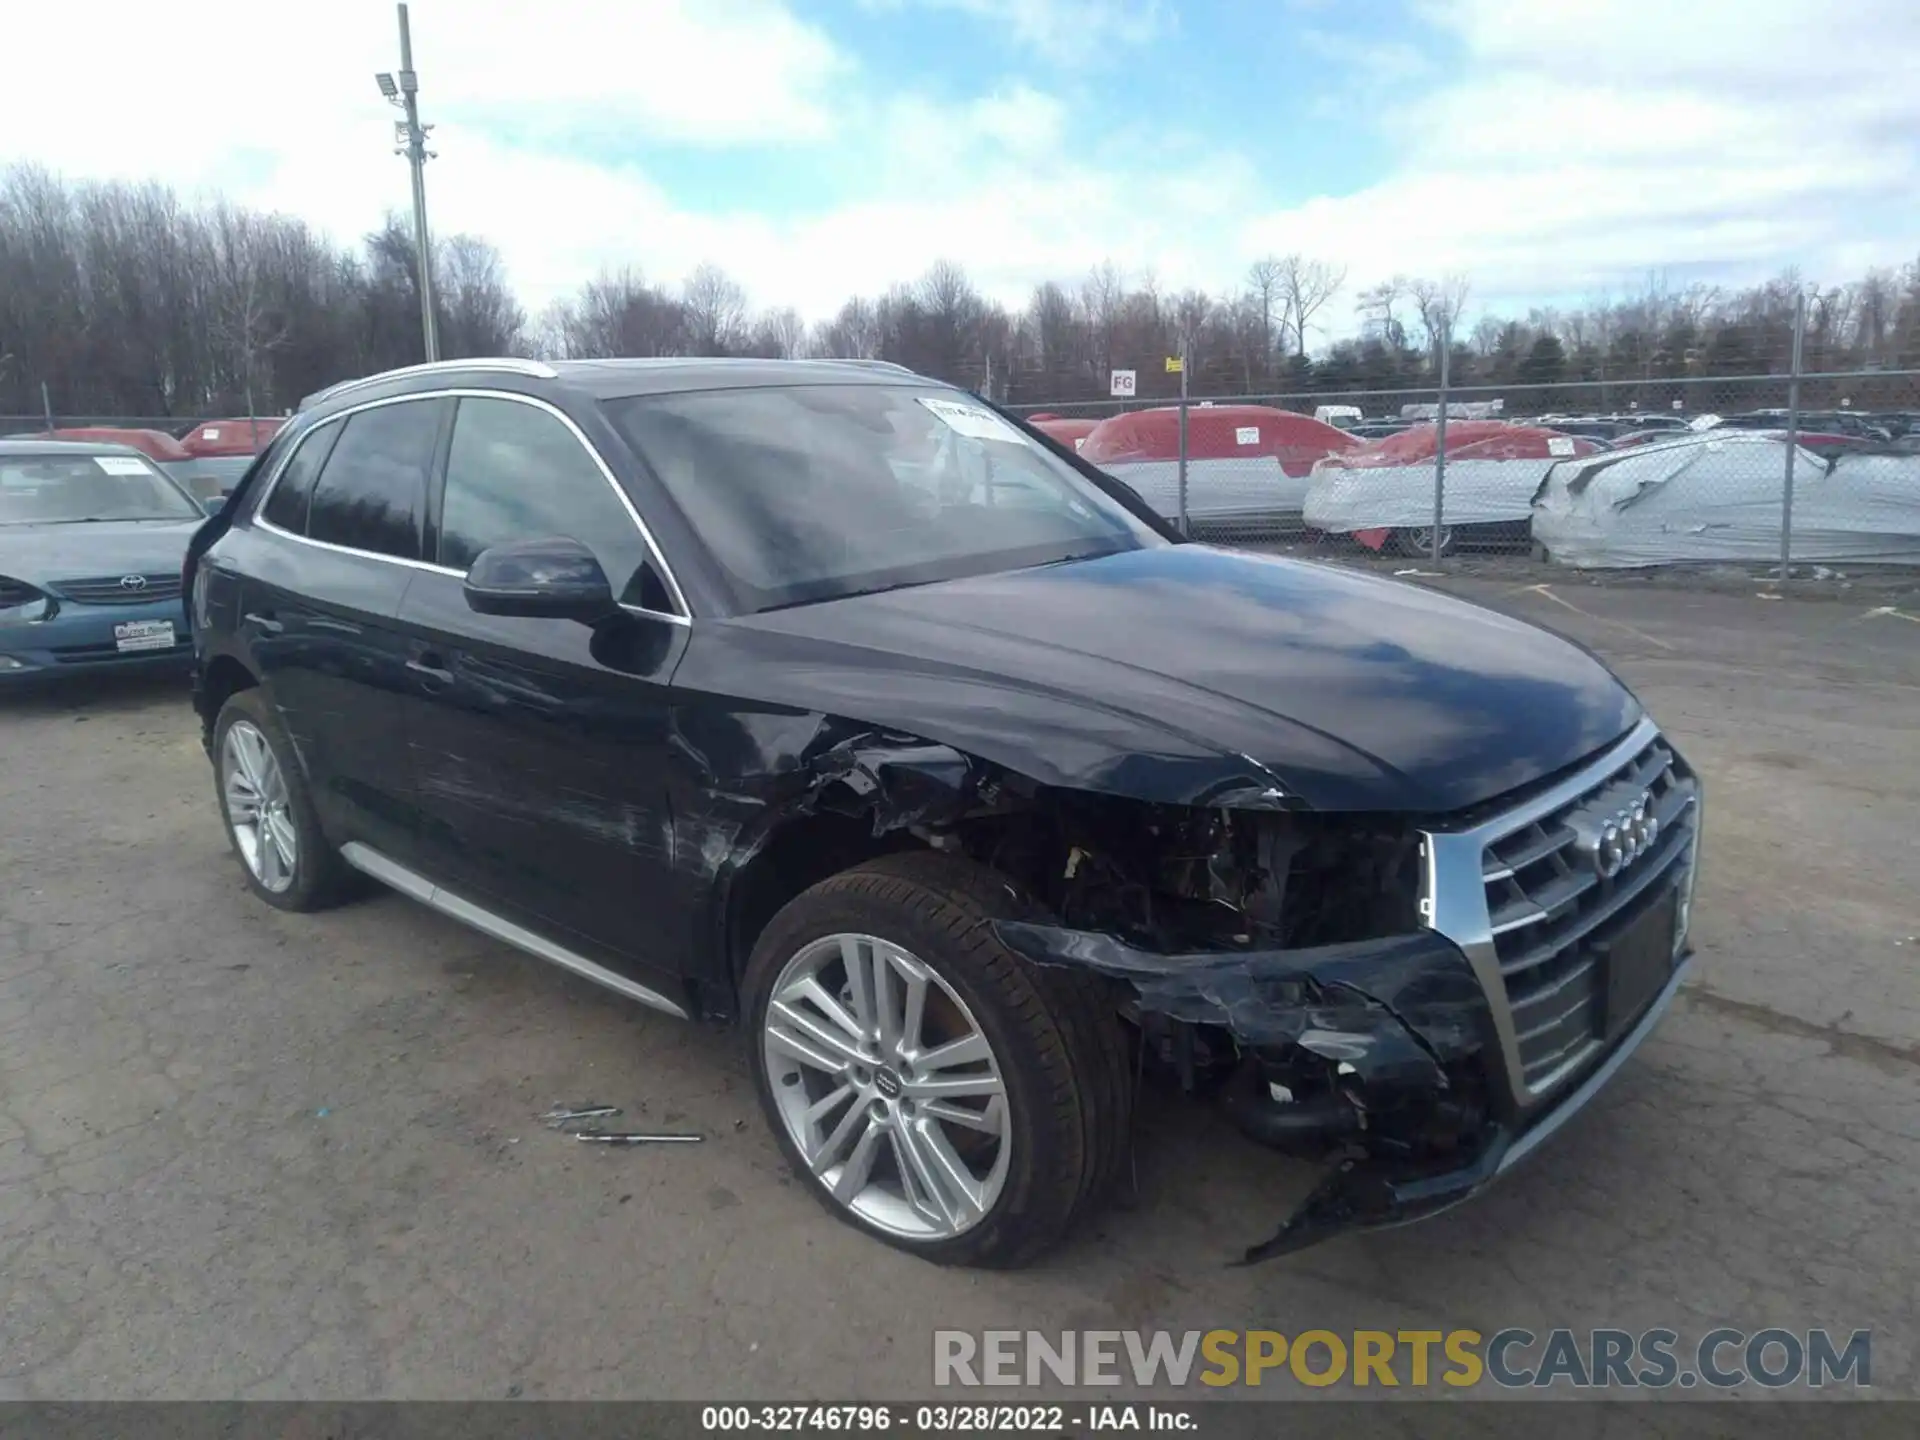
{"x":1416,"y":541}
{"x":930,"y":1087}
{"x":269,"y":816}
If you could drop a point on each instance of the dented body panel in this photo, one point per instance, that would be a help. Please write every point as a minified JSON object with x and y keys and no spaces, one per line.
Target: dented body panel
{"x":1194,"y":676}
{"x":1210,"y":779}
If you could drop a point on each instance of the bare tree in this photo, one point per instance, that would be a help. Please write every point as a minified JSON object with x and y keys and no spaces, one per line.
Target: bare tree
{"x":716,"y":311}
{"x":1265,"y":278}
{"x":479,"y":315}
{"x":1438,"y":303}
{"x":1378,"y":308}
{"x":1305,"y":288}
{"x":852,"y":334}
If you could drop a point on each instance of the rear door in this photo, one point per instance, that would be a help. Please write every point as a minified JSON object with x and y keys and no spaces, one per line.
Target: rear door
{"x":322,"y":572}
{"x":538,"y":745}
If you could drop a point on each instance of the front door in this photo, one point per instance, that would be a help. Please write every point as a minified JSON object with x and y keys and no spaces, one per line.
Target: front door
{"x":538,"y":746}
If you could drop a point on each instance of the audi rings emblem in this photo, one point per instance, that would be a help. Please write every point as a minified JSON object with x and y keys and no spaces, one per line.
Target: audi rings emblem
{"x":133,"y":582}
{"x":1615,"y":841}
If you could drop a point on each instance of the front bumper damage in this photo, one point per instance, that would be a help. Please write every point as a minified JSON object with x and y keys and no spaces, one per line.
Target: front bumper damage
{"x":1402,"y":1032}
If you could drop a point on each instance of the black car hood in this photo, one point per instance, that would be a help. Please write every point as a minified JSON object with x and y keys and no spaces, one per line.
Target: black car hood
{"x":1191,"y":675}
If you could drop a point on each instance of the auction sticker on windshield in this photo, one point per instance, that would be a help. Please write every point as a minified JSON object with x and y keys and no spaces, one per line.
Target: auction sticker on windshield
{"x":120,"y":464}
{"x":143,"y":635}
{"x":973,"y":423}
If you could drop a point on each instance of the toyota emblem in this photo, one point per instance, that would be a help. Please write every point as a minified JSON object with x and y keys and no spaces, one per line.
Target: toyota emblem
{"x":1613,"y":838}
{"x":133,"y":582}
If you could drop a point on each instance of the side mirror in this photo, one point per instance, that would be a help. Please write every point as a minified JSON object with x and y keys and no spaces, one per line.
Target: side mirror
{"x":553,"y":578}
{"x":214,"y":504}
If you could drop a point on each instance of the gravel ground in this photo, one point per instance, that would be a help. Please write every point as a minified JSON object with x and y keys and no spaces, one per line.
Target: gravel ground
{"x":251,"y":1154}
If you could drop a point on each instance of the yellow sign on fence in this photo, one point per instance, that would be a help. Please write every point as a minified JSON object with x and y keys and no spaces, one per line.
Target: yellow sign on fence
{"x":1175,"y":365}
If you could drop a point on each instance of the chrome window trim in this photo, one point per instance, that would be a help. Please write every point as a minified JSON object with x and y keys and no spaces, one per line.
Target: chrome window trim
{"x":682,"y":617}
{"x":499,"y":364}
{"x":1454,"y":898}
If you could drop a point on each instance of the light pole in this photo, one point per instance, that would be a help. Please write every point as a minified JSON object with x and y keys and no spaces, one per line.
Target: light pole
{"x":412,"y":136}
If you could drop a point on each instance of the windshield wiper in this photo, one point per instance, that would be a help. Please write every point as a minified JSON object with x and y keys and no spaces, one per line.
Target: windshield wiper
{"x":844,"y":595}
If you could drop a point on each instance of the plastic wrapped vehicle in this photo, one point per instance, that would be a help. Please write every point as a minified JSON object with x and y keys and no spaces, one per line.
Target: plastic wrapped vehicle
{"x":1719,"y":495}
{"x":1247,"y":465}
{"x":1383,"y":496}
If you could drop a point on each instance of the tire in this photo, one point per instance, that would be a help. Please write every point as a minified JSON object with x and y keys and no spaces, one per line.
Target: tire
{"x":1055,"y":1046}
{"x":318,"y":877}
{"x":1417,"y":543}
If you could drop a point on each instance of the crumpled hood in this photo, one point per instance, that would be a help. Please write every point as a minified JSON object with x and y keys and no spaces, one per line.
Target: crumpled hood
{"x":38,"y":554}
{"x":1192,"y":675}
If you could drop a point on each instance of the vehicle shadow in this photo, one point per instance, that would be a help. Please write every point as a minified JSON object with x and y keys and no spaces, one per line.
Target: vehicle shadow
{"x":96,"y":694}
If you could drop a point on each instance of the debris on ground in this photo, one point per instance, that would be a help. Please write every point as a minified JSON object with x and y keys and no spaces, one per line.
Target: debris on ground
{"x":562,"y":1114}
{"x":617,"y":1137}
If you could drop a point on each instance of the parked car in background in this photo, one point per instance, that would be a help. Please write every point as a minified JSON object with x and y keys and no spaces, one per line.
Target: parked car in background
{"x":1247,"y":465}
{"x":219,"y":452}
{"x":1720,"y":496}
{"x":1071,"y":433}
{"x":92,"y":541}
{"x":1383,"y":496}
{"x":827,"y":700}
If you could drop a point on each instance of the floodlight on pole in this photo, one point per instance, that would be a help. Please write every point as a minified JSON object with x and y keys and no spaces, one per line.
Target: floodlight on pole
{"x":412,"y":138}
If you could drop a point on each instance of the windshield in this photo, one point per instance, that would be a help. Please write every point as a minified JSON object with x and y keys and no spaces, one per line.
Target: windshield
{"x":69,"y":489}
{"x":810,"y":493}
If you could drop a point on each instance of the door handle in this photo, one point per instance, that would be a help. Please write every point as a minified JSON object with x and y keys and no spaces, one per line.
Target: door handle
{"x":425,"y":667}
{"x":266,"y":624}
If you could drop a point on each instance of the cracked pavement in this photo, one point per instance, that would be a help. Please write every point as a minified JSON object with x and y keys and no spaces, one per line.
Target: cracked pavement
{"x":270,"y":1156}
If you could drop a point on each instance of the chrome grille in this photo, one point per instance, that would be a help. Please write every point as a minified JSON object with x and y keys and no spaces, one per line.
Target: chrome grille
{"x":1516,"y":886}
{"x":113,"y":589}
{"x":1548,"y":907}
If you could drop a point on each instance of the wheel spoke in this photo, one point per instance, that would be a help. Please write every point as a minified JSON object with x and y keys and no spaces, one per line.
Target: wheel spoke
{"x":795,"y":1047}
{"x":280,"y":829}
{"x":821,"y":1034}
{"x":967,"y":1050}
{"x":954,"y":1087}
{"x":836,"y":1140}
{"x":859,"y":982}
{"x":941,"y":1174}
{"x":854,"y":1175}
{"x":916,"y":1009}
{"x":989,"y":1121}
{"x":267,"y":855}
{"x":824,"y":1106}
{"x":886,"y":1012}
{"x":815,"y":994}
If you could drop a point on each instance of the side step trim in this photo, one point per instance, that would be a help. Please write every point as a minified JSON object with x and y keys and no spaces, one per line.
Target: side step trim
{"x":391,"y":872}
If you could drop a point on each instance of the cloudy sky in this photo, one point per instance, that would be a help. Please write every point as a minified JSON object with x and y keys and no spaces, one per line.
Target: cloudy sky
{"x":1546,"y":148}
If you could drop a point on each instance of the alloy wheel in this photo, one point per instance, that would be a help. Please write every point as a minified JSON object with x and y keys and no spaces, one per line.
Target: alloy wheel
{"x":259,"y":809}
{"x":888,"y":1087}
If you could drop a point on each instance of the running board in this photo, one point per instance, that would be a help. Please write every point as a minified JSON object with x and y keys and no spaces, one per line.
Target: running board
{"x":418,"y":887}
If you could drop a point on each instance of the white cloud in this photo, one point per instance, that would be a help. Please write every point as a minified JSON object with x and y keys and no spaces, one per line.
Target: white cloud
{"x":1062,"y":30}
{"x":1567,"y":148}
{"x":1576,"y":146}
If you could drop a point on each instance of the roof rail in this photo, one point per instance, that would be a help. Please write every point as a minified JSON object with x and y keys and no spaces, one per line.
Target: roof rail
{"x":507,"y":364}
{"x":868,"y":364}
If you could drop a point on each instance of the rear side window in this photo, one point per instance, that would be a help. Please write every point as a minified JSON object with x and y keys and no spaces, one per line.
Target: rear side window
{"x":515,"y":472}
{"x":287,"y":505}
{"x":373,"y":487}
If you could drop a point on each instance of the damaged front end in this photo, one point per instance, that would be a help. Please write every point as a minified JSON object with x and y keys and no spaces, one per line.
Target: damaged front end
{"x":1272,"y":957}
{"x":1369,"y":1051}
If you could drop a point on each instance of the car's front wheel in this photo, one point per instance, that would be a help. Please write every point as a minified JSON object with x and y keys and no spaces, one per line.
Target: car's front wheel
{"x":269,"y":816}
{"x":929,"y":1086}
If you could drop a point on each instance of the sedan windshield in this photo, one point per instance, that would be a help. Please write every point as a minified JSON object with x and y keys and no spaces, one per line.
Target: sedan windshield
{"x":71,"y":489}
{"x":808,"y":493}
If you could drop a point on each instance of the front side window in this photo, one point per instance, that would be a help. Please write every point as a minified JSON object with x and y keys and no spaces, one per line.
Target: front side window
{"x":72,"y":489}
{"x":807,"y":493}
{"x":373,"y":487}
{"x":516,"y":472}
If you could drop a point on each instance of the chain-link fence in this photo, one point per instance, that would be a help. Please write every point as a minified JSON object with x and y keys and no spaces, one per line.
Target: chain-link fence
{"x":1756,"y":470}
